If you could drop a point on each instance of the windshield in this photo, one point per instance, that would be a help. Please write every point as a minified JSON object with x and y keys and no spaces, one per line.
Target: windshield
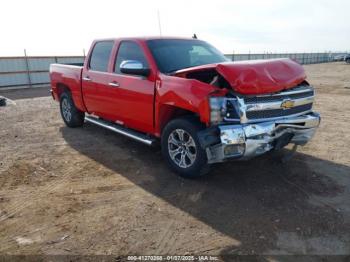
{"x":175,"y":54}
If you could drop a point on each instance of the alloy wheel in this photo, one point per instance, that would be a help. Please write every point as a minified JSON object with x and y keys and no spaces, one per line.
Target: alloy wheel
{"x":182,"y":148}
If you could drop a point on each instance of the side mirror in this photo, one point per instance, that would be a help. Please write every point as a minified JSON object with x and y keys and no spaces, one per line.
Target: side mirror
{"x":133,"y":67}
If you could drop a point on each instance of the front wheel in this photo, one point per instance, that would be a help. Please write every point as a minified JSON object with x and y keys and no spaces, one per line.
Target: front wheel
{"x":72,"y":116}
{"x":181,"y":148}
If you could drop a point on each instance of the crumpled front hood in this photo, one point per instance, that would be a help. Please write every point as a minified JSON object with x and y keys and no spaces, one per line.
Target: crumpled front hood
{"x":262,"y":76}
{"x":258,"y":76}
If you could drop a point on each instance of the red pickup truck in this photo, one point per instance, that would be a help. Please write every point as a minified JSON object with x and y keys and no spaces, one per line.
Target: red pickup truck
{"x":188,"y":96}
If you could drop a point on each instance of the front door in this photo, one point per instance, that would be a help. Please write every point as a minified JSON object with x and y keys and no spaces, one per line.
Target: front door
{"x":135,"y":97}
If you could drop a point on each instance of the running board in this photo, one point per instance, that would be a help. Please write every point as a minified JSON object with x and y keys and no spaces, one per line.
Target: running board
{"x":122,"y":130}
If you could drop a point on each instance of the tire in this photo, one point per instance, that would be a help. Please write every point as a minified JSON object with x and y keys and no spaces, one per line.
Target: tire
{"x":2,"y":101}
{"x":71,"y":116}
{"x":183,"y":153}
{"x":347,"y":60}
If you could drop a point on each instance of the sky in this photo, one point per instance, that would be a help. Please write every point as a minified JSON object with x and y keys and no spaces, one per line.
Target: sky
{"x":67,"y":27}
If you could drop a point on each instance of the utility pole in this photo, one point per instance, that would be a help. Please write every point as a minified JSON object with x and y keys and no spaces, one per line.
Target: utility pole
{"x":27,"y":67}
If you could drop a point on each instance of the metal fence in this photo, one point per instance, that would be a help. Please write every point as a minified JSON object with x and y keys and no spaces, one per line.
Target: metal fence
{"x":30,"y":71}
{"x":302,"y":58}
{"x":34,"y":71}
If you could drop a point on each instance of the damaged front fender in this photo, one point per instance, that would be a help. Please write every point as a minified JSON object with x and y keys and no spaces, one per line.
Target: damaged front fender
{"x":186,"y":95}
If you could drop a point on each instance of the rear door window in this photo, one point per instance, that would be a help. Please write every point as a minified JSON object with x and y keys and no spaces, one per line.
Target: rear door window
{"x":100,"y":56}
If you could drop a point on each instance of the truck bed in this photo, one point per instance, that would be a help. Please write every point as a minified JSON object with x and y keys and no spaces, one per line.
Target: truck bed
{"x":62,"y":75}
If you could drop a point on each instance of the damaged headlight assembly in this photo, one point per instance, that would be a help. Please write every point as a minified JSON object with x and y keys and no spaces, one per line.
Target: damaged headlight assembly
{"x":218,"y":109}
{"x":223,"y":108}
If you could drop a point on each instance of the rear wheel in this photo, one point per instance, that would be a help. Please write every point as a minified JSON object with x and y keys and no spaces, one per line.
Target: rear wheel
{"x":181,"y":148}
{"x":347,"y":60}
{"x":72,"y":116}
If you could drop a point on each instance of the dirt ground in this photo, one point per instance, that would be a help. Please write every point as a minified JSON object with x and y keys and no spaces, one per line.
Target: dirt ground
{"x":89,"y":191}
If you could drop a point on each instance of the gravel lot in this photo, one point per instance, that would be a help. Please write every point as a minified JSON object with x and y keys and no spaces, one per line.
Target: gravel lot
{"x":90,"y":191}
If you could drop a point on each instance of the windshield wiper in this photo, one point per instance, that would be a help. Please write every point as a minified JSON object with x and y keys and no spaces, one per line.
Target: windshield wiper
{"x":175,"y":70}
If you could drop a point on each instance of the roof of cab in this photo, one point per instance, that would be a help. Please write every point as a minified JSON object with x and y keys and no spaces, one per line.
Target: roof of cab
{"x":144,"y":38}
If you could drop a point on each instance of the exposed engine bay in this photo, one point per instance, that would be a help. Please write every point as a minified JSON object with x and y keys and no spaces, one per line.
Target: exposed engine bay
{"x":211,"y":77}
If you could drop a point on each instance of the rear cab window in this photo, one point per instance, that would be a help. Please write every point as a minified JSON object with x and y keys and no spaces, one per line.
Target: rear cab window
{"x":100,"y":56}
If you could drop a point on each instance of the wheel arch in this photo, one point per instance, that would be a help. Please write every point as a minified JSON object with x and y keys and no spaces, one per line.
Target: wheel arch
{"x":167,"y":113}
{"x":61,"y":88}
{"x":74,"y":93}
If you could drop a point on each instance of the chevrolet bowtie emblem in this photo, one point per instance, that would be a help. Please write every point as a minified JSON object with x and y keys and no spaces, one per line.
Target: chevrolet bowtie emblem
{"x":287,"y":104}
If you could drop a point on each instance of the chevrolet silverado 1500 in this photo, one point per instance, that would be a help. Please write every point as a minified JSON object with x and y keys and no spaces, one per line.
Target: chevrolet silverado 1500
{"x":185,"y":94}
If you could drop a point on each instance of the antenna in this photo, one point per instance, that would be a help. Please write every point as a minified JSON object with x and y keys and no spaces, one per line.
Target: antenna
{"x":159,"y":24}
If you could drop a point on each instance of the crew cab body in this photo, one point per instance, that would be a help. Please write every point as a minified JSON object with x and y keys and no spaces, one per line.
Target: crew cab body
{"x":149,"y":88}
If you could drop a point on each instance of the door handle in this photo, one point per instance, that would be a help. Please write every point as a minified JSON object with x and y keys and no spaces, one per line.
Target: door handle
{"x":86,"y":78}
{"x":114,"y":84}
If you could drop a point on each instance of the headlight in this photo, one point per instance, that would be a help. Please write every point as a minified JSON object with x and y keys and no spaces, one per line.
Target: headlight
{"x":217,"y":109}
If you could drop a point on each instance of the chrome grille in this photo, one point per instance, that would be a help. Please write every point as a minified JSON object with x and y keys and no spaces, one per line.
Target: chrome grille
{"x":270,"y":106}
{"x":266,"y":99}
{"x":278,"y":112}
{"x":297,"y":100}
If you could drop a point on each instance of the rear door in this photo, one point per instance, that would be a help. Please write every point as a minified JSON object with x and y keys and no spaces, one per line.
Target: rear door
{"x":99,"y":95}
{"x":135,"y":97}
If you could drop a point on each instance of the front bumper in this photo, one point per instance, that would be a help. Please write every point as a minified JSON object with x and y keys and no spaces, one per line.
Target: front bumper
{"x":250,"y":140}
